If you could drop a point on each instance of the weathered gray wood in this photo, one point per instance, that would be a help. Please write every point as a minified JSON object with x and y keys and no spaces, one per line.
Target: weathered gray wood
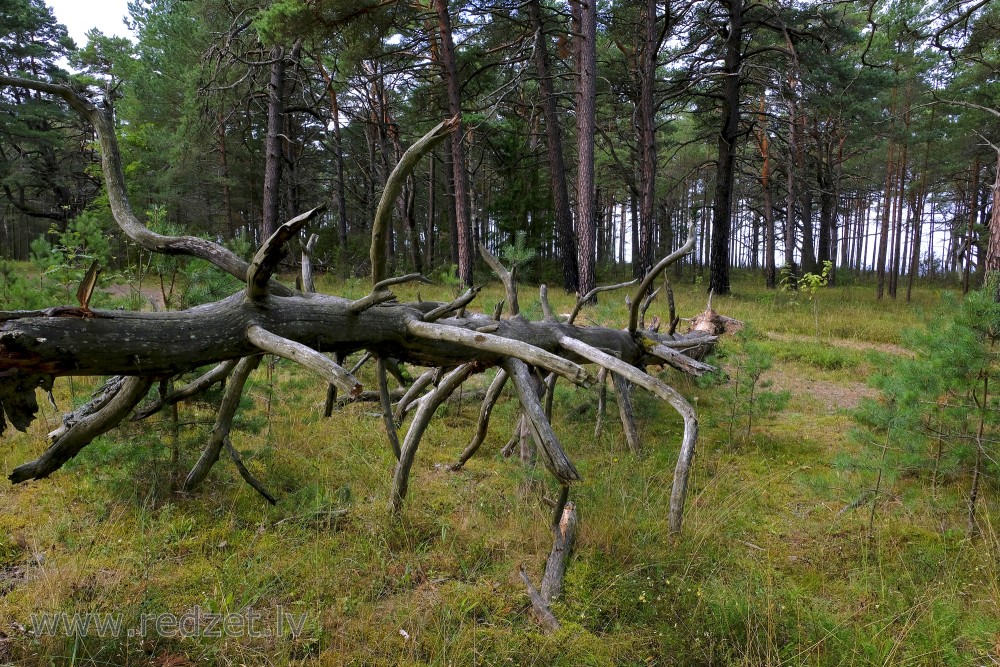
{"x":581,"y":301}
{"x":564,"y":535}
{"x":411,"y":394}
{"x":98,"y":400}
{"x":37,"y":346}
{"x":386,"y":403}
{"x":114,"y":183}
{"x":371,"y":300}
{"x":516,"y":349}
{"x":602,"y":399}
{"x":492,"y":394}
{"x":527,"y":450}
{"x":223,"y":421}
{"x":218,"y":374}
{"x":394,"y":185}
{"x":672,"y":309}
{"x":543,"y":298}
{"x":508,"y":279}
{"x":623,"y":392}
{"x":308,"y":282}
{"x":550,"y":393}
{"x":393,"y":369}
{"x":245,"y":473}
{"x":679,"y":360}
{"x":457,"y":304}
{"x":670,"y":395}
{"x":380,"y":292}
{"x":646,"y":303}
{"x":166,"y":343}
{"x":553,"y":455}
{"x":433,"y":401}
{"x":82,"y":432}
{"x":331,"y":389}
{"x":270,"y":253}
{"x":306,"y":356}
{"x":369,"y":396}
{"x":539,"y":607}
{"x":515,"y":438}
{"x":647,"y":281}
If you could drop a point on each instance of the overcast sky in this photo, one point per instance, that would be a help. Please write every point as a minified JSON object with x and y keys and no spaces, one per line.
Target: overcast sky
{"x":79,"y":16}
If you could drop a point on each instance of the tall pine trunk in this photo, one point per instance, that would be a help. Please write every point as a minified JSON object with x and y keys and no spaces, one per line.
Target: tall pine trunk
{"x":764,"y":144}
{"x":460,"y":179}
{"x":646,"y":131}
{"x":585,"y":20}
{"x":718,"y":282}
{"x":557,"y":168}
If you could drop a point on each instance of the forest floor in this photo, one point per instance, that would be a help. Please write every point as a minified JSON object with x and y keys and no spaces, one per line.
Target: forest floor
{"x":783,"y":560}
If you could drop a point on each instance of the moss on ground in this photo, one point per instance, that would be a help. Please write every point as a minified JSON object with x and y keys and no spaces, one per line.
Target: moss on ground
{"x":774,"y":566}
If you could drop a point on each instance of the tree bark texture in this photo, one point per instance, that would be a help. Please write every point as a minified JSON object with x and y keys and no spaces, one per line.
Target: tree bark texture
{"x":585,"y":14}
{"x":557,"y":168}
{"x":272,"y":143}
{"x":463,"y":223}
{"x":726,"y":162}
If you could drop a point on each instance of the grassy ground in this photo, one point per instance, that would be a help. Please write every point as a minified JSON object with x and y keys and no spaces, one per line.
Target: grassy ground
{"x":771,"y":568}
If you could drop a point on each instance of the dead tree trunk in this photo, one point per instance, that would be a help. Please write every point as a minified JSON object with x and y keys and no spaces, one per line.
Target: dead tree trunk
{"x":268,"y":317}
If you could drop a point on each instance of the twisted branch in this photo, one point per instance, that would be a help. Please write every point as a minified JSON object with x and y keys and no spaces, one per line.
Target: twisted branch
{"x":492,"y":394}
{"x":665,"y":392}
{"x":433,"y":401}
{"x":69,"y":443}
{"x":647,"y":281}
{"x":394,"y":185}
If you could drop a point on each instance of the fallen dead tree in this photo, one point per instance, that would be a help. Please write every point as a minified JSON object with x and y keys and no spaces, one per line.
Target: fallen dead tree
{"x":267,"y":317}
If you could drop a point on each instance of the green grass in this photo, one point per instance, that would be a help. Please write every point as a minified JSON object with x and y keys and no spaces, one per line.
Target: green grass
{"x":768,"y":570}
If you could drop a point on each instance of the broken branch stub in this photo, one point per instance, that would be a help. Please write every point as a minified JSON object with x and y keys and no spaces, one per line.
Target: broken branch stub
{"x":271,"y":252}
{"x":506,"y":277}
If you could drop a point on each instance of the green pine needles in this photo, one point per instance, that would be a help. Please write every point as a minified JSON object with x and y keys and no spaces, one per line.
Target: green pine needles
{"x":748,"y":395}
{"x":937,"y":413}
{"x":517,"y":254}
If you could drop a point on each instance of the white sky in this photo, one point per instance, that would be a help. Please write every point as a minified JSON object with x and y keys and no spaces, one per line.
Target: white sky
{"x":79,"y":16}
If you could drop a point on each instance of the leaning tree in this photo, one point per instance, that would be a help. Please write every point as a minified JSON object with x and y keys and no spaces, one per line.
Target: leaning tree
{"x":138,"y":349}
